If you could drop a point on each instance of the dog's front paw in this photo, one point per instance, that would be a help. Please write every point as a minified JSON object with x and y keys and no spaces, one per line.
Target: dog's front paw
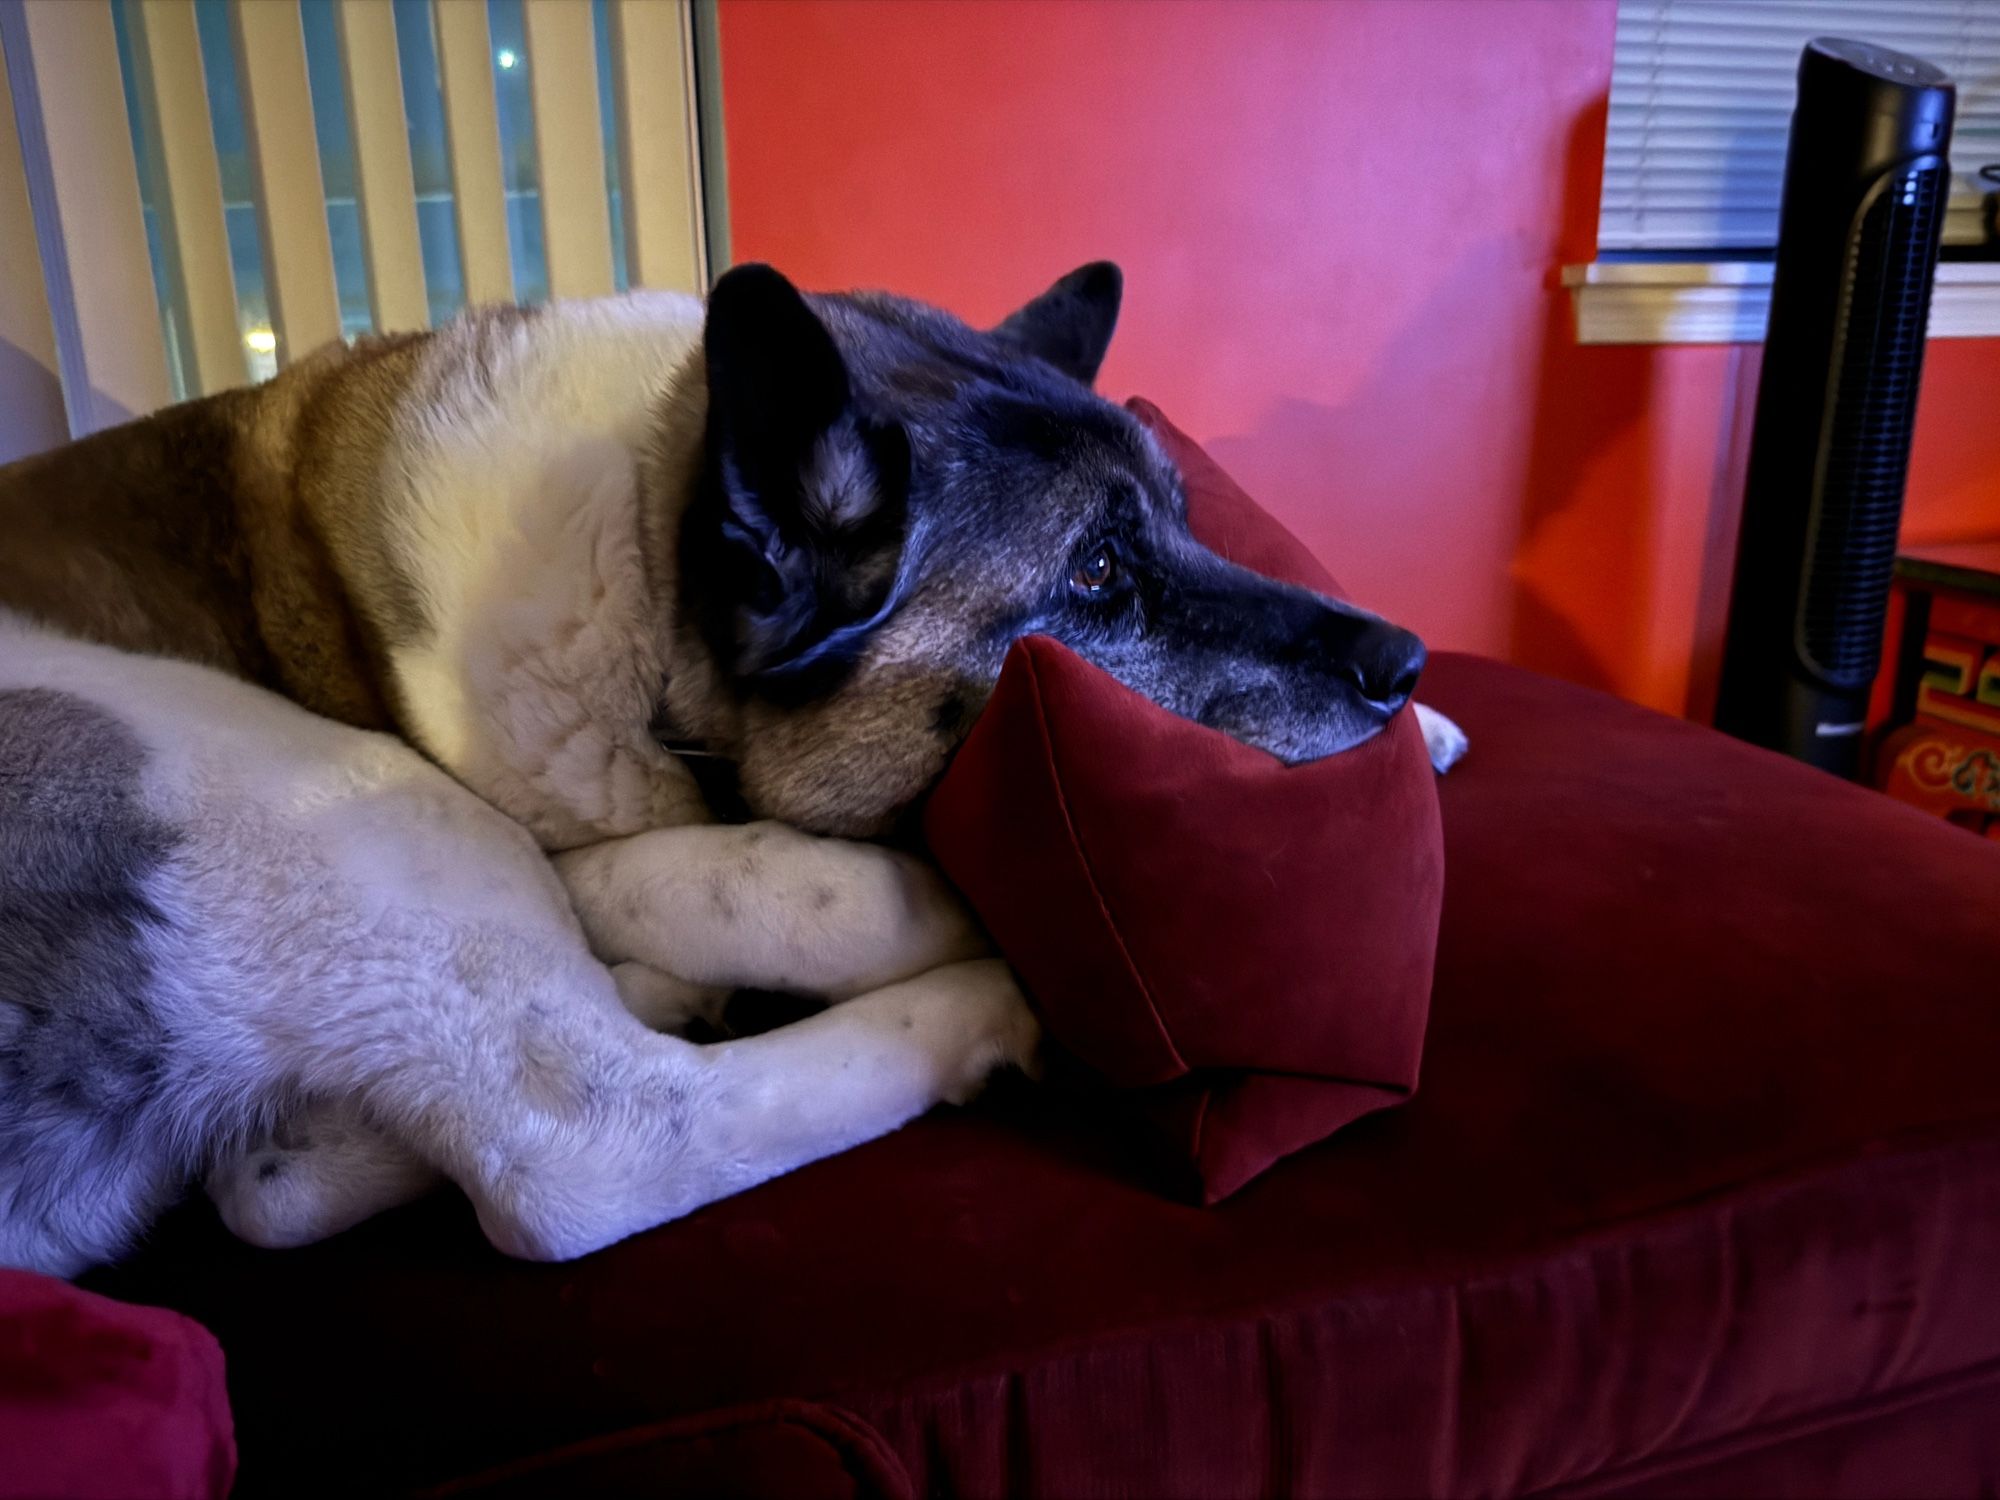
{"x":998,"y":1029}
{"x":1445,"y":741}
{"x":959,"y":1024}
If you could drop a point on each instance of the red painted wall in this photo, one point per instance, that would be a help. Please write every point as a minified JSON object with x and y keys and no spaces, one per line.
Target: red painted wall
{"x":1340,"y":224}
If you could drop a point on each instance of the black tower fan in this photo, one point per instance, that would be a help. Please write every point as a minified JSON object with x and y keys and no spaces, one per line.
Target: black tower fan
{"x":1866,"y":180}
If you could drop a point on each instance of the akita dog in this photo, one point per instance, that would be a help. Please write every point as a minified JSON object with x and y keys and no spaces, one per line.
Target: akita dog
{"x":349,"y":836}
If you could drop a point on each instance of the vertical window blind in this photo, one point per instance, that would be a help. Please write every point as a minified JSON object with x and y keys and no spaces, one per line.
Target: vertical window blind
{"x":1701,"y":104}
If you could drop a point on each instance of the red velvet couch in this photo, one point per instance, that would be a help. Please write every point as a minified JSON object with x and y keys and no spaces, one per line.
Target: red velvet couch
{"x":1700,"y":1195}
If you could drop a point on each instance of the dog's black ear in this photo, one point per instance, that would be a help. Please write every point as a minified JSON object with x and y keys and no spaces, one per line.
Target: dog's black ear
{"x":815,"y":495}
{"x":1070,"y":324}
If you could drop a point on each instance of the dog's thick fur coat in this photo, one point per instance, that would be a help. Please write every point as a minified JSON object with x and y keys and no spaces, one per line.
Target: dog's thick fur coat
{"x":509,"y":575}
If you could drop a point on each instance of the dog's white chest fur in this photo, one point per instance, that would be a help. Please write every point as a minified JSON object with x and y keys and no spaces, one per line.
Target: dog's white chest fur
{"x":515,"y":505}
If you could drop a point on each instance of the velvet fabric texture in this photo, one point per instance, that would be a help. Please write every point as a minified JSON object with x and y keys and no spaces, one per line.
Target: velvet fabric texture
{"x":1703,"y":1179}
{"x":768,"y":1449}
{"x":1701,"y":1195}
{"x":1245,"y":944}
{"x":103,"y":1401}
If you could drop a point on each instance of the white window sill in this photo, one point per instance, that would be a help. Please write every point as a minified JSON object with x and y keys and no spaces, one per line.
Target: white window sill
{"x":1728,"y":301}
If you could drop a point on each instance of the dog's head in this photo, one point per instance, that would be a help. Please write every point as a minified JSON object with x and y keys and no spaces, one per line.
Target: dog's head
{"x":889,"y":499}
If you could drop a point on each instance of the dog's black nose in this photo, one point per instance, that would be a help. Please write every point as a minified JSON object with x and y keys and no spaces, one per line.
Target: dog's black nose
{"x":1384,"y":664}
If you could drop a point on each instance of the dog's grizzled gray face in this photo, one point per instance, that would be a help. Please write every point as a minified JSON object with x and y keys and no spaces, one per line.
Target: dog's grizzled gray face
{"x":890,"y":499}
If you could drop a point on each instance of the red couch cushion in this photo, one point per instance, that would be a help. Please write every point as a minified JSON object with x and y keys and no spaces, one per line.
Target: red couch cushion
{"x":101,"y":1399}
{"x":771,"y":1448}
{"x":1706,"y":1164}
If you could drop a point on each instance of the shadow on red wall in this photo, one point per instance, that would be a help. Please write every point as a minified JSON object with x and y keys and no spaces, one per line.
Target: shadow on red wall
{"x":1342,"y":227}
{"x":1577,"y":562}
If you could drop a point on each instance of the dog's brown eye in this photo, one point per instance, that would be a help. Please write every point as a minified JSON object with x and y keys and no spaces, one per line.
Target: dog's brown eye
{"x":1096,"y":573}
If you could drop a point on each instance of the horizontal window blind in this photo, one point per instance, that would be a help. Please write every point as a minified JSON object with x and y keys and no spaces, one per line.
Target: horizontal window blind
{"x":1701,"y":103}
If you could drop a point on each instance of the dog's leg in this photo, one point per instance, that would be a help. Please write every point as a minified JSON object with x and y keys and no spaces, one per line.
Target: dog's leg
{"x":856,"y":1071}
{"x":432,"y":973}
{"x":329,"y":916}
{"x":763,"y":906}
{"x":1445,"y":741}
{"x":639,"y":1145}
{"x":327,"y":1170}
{"x":622,"y":1129}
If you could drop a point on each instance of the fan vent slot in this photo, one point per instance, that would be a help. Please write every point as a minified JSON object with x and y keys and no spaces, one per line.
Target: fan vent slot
{"x":1851,"y":553}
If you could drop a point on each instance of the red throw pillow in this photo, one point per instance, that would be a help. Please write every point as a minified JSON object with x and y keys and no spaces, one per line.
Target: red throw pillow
{"x":1243,"y":945}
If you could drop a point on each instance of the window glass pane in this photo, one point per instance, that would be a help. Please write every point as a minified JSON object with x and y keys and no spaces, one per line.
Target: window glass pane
{"x":336,"y":164}
{"x":430,"y":160}
{"x":239,"y":208}
{"x":607,"y":96}
{"x":152,"y":197}
{"x":519,"y":169}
